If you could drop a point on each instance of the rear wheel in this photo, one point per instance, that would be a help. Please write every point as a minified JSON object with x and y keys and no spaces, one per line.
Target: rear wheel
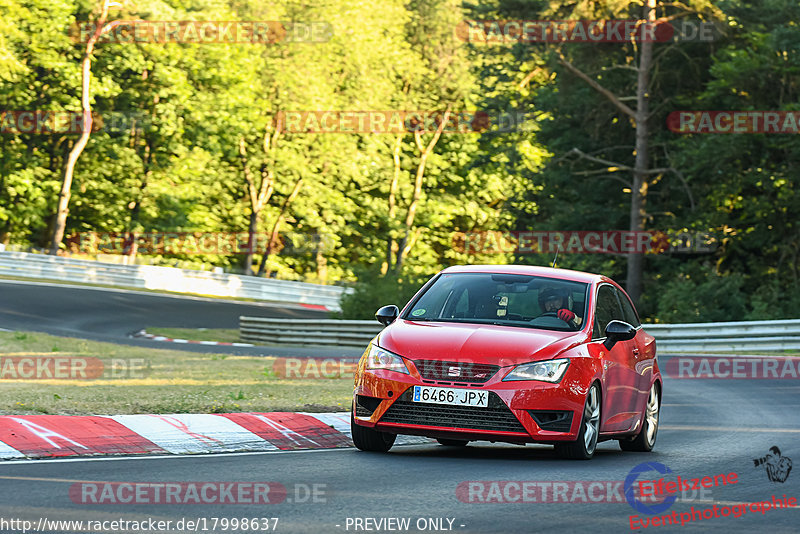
{"x":646,"y":439}
{"x":453,"y":442}
{"x":583,"y":448}
{"x":368,"y":439}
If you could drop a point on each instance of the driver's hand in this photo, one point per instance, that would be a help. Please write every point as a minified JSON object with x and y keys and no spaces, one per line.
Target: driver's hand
{"x":565,"y":315}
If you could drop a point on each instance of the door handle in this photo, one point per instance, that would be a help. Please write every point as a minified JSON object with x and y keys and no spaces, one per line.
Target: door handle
{"x":635,"y":352}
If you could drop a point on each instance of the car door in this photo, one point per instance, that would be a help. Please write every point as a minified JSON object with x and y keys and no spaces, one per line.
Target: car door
{"x":643,"y":347}
{"x":620,"y":383}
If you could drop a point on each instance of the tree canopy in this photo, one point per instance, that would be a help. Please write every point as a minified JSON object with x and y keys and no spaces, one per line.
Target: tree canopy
{"x":191,"y":137}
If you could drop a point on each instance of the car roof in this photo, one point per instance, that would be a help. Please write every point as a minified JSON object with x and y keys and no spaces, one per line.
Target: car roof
{"x":564,"y":274}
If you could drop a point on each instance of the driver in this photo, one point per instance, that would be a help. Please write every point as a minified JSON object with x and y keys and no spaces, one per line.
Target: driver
{"x":553,"y":300}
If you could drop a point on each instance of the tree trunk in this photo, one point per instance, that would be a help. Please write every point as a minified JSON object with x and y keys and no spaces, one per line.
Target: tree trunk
{"x":135,"y":205}
{"x":62,"y":211}
{"x":408,"y":240}
{"x":322,"y":265}
{"x":259,"y":197}
{"x":391,"y":244}
{"x":404,"y":247}
{"x":273,"y":236}
{"x":639,"y":187}
{"x":252,"y":230}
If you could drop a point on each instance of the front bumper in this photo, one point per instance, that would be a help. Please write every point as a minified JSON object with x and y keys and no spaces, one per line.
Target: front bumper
{"x":517,"y":411}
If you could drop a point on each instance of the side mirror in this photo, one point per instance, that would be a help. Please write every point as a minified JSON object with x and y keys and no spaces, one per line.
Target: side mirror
{"x":387,"y":314}
{"x":618,"y":331}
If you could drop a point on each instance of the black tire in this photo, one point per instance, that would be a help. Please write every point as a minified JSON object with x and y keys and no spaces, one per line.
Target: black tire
{"x":645,"y":440}
{"x":583,"y":448}
{"x":452,"y":442}
{"x":370,"y":440}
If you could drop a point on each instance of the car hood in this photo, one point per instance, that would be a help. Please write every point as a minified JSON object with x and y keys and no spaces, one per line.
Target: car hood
{"x":476,"y":343}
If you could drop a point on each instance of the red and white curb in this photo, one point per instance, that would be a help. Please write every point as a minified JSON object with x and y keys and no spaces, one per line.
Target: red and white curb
{"x":44,"y":436}
{"x":144,"y":334}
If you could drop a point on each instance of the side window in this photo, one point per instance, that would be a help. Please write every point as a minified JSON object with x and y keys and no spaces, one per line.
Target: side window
{"x":628,"y":310}
{"x":607,"y":310}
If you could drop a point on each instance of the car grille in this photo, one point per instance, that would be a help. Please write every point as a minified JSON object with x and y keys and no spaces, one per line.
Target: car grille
{"x":476,"y":373}
{"x":496,"y":416}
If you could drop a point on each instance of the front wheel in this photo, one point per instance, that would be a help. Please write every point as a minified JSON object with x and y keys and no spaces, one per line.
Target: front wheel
{"x":368,"y":439}
{"x":583,"y":448}
{"x":646,"y":439}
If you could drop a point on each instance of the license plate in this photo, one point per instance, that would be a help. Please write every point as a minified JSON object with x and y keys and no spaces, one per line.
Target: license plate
{"x":453,"y":396}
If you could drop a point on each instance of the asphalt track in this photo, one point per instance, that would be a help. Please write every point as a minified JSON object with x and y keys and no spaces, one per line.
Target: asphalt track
{"x":709,"y":427}
{"x":112,"y":315}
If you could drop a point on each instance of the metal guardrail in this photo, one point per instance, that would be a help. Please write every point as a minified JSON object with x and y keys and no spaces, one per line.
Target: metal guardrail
{"x":44,"y":267}
{"x":326,"y":332}
{"x":727,"y":337}
{"x":670,"y":338}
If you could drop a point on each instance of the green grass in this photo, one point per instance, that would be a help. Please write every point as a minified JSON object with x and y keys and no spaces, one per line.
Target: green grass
{"x":164,"y":381}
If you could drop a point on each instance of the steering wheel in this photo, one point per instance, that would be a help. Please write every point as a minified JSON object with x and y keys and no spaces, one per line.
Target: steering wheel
{"x":552,"y":314}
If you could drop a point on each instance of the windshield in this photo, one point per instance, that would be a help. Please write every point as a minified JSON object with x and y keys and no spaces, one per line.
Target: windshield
{"x":503,"y":299}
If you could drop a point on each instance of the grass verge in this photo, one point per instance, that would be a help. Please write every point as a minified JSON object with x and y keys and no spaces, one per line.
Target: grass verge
{"x":145,"y":380}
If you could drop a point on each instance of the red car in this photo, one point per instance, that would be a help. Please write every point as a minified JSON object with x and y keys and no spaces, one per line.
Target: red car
{"x":515,"y":354}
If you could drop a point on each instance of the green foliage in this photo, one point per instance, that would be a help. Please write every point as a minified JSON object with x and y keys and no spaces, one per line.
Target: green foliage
{"x":771,"y":302}
{"x":179,"y":169}
{"x":374,"y":291}
{"x":704,"y":300}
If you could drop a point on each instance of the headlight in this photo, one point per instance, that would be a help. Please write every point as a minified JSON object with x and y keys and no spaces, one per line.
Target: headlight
{"x":383,"y":359}
{"x":546,"y":371}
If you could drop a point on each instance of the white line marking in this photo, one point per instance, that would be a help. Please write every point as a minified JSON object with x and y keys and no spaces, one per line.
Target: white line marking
{"x":284,"y":430}
{"x":7,"y":451}
{"x":166,"y":456}
{"x":338,"y":420}
{"x":193,"y":433}
{"x":341,"y":421}
{"x":760,"y":430}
